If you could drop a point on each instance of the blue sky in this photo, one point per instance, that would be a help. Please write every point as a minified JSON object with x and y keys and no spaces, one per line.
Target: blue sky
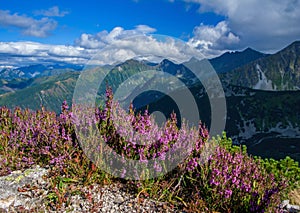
{"x":176,"y":19}
{"x":76,"y":29}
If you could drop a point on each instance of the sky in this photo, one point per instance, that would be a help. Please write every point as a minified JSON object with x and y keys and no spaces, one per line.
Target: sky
{"x":32,"y":31}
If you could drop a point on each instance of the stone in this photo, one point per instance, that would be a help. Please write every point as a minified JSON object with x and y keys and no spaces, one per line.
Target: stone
{"x":6,"y":201}
{"x":284,"y":204}
{"x":10,"y":185}
{"x":287,"y":207}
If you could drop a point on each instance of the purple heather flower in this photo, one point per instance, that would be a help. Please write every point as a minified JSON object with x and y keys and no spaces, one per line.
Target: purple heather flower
{"x":228,"y":193}
{"x":64,"y":106}
{"x":123,"y":173}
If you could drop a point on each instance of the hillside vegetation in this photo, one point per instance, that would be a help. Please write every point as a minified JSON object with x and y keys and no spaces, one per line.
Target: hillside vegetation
{"x":225,"y":180}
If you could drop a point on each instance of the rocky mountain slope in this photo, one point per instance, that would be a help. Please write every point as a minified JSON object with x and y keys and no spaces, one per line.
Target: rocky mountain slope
{"x":277,"y":72}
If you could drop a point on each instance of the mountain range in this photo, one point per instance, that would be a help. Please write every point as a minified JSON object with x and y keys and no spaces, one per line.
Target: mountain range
{"x":37,"y":70}
{"x":262,"y":93}
{"x":277,"y":72}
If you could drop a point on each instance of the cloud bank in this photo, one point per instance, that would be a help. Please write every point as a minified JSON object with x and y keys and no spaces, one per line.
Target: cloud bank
{"x":23,"y":53}
{"x":104,"y":47}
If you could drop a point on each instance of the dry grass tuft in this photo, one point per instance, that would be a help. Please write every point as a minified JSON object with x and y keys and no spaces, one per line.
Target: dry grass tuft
{"x":295,"y":196}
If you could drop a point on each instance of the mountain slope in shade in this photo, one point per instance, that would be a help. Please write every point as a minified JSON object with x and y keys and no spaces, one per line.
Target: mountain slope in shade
{"x":277,"y":72}
{"x":268,"y":122}
{"x":232,"y":60}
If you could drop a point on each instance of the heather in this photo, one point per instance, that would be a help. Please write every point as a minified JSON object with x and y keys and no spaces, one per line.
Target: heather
{"x":214,"y":175}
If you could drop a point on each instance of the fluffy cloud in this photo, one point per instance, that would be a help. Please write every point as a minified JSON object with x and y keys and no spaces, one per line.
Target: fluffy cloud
{"x":144,"y":29}
{"x":104,"y":47}
{"x":210,"y":39}
{"x":265,"y":25}
{"x":105,"y":38}
{"x":29,"y":26}
{"x":52,"y":12}
{"x":120,"y":44}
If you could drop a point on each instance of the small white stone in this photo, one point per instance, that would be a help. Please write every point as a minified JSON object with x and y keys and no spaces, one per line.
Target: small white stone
{"x":6,"y":202}
{"x":284,"y":203}
{"x":293,"y":208}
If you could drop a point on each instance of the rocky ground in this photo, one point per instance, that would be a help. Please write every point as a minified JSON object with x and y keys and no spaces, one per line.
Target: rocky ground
{"x":28,"y":191}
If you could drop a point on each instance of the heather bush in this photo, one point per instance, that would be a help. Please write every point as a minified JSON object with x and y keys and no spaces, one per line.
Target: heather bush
{"x":43,"y":138}
{"x":33,"y":138}
{"x":233,"y":182}
{"x":137,"y":137}
{"x":209,"y":174}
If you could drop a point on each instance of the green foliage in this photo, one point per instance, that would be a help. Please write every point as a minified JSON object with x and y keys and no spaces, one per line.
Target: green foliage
{"x":48,"y":91}
{"x":226,"y":143}
{"x":284,"y":168}
{"x":287,"y":168}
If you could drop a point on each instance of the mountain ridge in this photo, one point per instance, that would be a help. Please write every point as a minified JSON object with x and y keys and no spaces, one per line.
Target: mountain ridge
{"x":279,"y":71}
{"x":232,"y":60}
{"x":37,"y":70}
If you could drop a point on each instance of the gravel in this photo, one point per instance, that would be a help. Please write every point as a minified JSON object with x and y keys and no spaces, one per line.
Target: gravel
{"x":28,"y":191}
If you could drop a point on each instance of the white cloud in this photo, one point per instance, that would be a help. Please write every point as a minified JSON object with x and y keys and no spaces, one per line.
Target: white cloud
{"x":265,"y":25}
{"x":104,"y":47}
{"x":20,"y":53}
{"x":210,"y":39}
{"x":120,"y":44}
{"x":28,"y":26}
{"x":144,"y":29}
{"x":52,"y":12}
{"x":104,"y":38}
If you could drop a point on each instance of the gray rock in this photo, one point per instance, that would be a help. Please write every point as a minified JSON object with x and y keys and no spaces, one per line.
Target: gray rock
{"x":284,"y":204}
{"x":6,"y":201}
{"x":16,"y":192}
{"x":287,"y":207}
{"x":11,"y":184}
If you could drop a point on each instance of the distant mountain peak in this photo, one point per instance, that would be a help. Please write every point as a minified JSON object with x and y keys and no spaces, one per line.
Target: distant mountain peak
{"x":37,"y":70}
{"x":249,"y":49}
{"x":166,"y":61}
{"x":295,"y":46}
{"x":296,"y":43}
{"x":232,"y":60}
